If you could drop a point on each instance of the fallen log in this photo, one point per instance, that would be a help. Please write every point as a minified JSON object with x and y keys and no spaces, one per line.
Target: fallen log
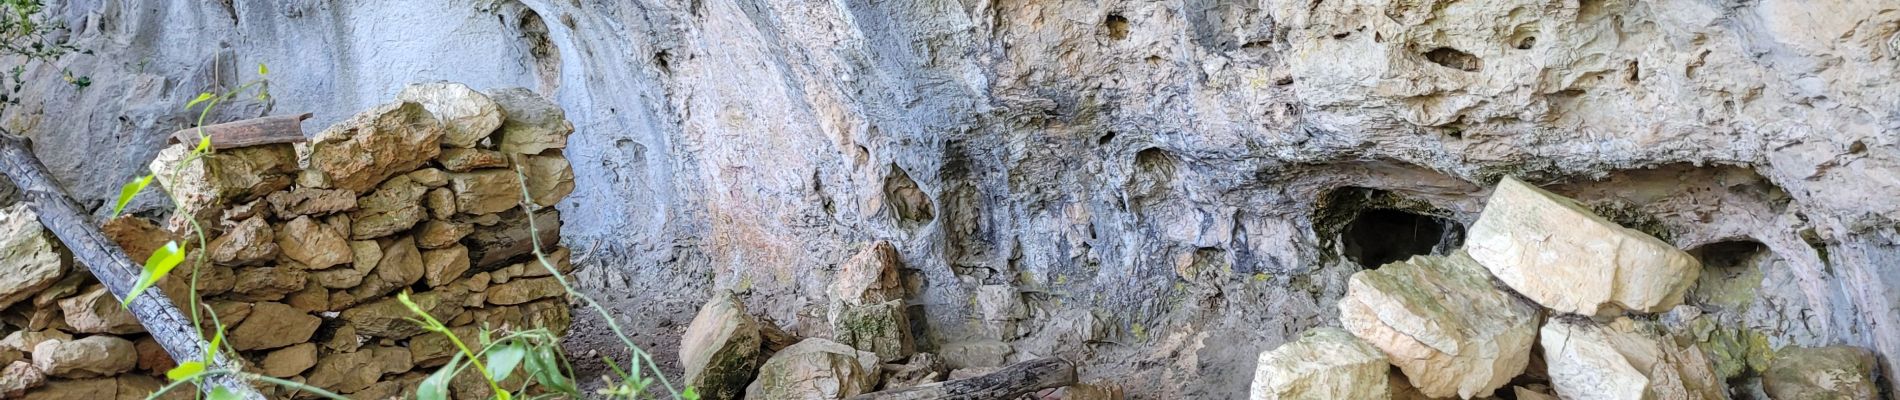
{"x":1008,"y":383}
{"x":103,"y":258}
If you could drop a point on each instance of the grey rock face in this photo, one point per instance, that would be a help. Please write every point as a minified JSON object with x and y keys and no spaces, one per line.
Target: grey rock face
{"x":1184,"y":168}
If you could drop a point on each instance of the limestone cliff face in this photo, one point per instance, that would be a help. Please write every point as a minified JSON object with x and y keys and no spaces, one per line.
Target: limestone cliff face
{"x":1158,"y":189}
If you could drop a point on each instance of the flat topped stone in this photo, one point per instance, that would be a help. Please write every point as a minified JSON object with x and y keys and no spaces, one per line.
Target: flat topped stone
{"x":1324,"y":363}
{"x":1556,"y":252}
{"x":1440,"y":320}
{"x":1624,"y":359}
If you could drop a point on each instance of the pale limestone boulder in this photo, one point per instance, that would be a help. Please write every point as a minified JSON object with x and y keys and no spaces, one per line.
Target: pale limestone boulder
{"x":19,"y":377}
{"x":1624,"y":359}
{"x":30,"y":261}
{"x":1324,"y":363}
{"x":1833,"y":372}
{"x":467,"y":116}
{"x":1440,"y":320}
{"x":85,"y":357}
{"x":815,"y":369}
{"x":359,"y":153}
{"x":720,"y":350}
{"x":882,"y":329}
{"x":1556,"y":252}
{"x":533,"y":123}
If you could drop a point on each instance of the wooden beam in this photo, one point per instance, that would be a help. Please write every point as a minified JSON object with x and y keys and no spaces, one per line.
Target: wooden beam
{"x":1010,"y":382}
{"x":110,"y":265}
{"x":249,"y":132}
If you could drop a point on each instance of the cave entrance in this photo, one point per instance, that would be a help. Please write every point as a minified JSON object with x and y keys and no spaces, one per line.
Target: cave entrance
{"x":1381,"y":236}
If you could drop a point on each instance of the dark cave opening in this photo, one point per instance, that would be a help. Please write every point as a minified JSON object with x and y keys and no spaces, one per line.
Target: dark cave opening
{"x":1378,"y":237}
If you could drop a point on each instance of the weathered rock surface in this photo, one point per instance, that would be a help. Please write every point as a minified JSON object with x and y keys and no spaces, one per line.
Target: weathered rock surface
{"x":96,"y":311}
{"x":85,"y":357}
{"x":524,"y":290}
{"x":467,"y":116}
{"x":273,"y":325}
{"x":549,"y":177}
{"x":289,"y":361}
{"x":1558,"y":253}
{"x":310,"y":201}
{"x":534,"y":124}
{"x":355,"y":371}
{"x":1023,"y":122}
{"x":18,"y":377}
{"x":486,"y":191}
{"x":222,"y":178}
{"x":359,"y":153}
{"x":395,"y":206}
{"x":29,"y":258}
{"x":1440,"y":320}
{"x":815,"y":369}
{"x":720,"y":349}
{"x":1833,"y":372}
{"x":314,"y":245}
{"x":1324,"y":363}
{"x":1624,"y":359}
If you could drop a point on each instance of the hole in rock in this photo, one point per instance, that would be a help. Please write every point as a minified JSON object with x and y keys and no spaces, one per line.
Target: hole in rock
{"x":1381,"y":236}
{"x":1527,"y":43}
{"x":1731,"y":273}
{"x":1454,"y":58}
{"x":908,"y":200}
{"x":1106,"y":137}
{"x":1117,"y":26}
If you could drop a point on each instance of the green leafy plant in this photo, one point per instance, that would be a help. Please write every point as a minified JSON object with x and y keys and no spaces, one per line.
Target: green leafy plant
{"x":27,"y":38}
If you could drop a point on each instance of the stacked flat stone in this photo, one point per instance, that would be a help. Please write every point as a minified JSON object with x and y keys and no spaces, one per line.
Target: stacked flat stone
{"x":308,"y":245}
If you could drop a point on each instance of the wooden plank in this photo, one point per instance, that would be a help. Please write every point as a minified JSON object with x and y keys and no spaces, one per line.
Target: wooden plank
{"x":110,"y":265}
{"x":250,"y":132}
{"x":1010,"y":382}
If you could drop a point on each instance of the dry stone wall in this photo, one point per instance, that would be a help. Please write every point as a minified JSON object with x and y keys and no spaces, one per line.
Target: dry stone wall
{"x":307,"y":245}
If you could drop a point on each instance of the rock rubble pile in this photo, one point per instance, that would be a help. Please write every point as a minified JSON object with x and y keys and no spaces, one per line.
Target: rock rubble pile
{"x":1545,"y":300}
{"x":309,"y":243}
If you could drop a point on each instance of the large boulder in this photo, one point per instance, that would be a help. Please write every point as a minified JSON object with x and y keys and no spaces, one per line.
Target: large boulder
{"x":1440,"y":320}
{"x":1324,"y":363}
{"x":815,"y":369}
{"x":533,"y":123}
{"x":361,"y":152}
{"x":1833,"y":372}
{"x":1556,"y":252}
{"x":467,"y":116}
{"x":85,"y":357}
{"x":1624,"y":359}
{"x":720,"y":350}
{"x":30,"y":261}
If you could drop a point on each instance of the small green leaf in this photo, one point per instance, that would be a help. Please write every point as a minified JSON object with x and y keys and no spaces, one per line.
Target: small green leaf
{"x":689,"y":394}
{"x":211,"y":352}
{"x":185,"y":370}
{"x":222,"y":393}
{"x":436,"y":386}
{"x":544,"y":366}
{"x":128,"y":191}
{"x":502,"y":360}
{"x":160,"y":263}
{"x":202,"y":97}
{"x":262,"y":70}
{"x":204,"y":142}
